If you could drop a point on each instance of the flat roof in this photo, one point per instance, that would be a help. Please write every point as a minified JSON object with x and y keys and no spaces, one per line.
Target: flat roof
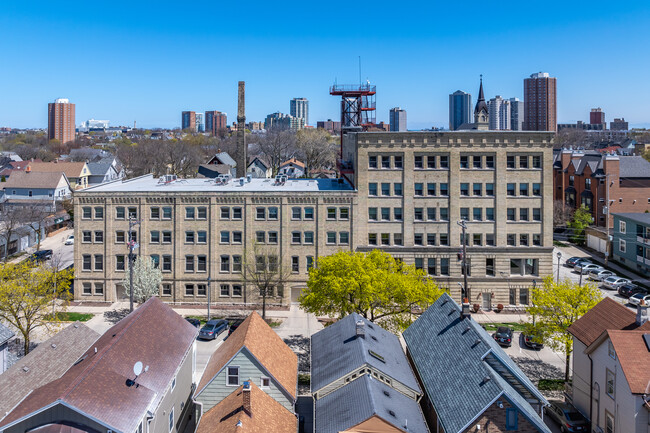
{"x":148,"y":183}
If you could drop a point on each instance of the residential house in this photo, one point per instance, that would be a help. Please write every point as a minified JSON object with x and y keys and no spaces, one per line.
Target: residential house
{"x":248,"y":409}
{"x":137,"y":377}
{"x":46,"y":187}
{"x":12,"y":166}
{"x":610,"y":367}
{"x":292,"y":168}
{"x":6,"y":334}
{"x":76,"y":172}
{"x":213,"y":171}
{"x":222,"y":163}
{"x":252,"y":352}
{"x":258,"y":168}
{"x":589,"y":178}
{"x":470,"y":383}
{"x":44,"y":364}
{"x":362,"y":381}
{"x":102,"y":172}
{"x":631,"y":240}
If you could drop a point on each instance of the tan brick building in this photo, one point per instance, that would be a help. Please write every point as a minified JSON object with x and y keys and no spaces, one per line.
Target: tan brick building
{"x":410,"y":189}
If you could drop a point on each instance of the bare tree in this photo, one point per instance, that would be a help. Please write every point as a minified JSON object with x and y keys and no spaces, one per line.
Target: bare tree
{"x":562,"y":213}
{"x":316,"y":149}
{"x":277,"y":146}
{"x":11,"y":219}
{"x":264,"y":269}
{"x":569,"y":137}
{"x":35,"y":216}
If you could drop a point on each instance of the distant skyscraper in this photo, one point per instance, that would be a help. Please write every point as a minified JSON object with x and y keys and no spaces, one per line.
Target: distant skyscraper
{"x":279,"y":120}
{"x":619,"y":125}
{"x":516,"y":114}
{"x":299,"y":107}
{"x":188,"y":120}
{"x":199,"y":125}
{"x":540,"y":96}
{"x":460,"y":109}
{"x":216,"y":122}
{"x":500,"y":116}
{"x":61,"y":120}
{"x":397,"y":119}
{"x":597,"y":117}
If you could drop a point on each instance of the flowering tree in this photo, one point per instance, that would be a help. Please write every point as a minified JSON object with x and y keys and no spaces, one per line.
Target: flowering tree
{"x":146,"y":279}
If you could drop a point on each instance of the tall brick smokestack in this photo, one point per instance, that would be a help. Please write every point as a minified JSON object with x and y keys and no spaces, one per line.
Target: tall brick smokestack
{"x":241,"y":157}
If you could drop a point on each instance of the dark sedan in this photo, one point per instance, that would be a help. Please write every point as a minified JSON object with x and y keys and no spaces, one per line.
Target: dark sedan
{"x":569,"y":419}
{"x":194,"y":322}
{"x":212,"y":329}
{"x":533,"y":341}
{"x":627,"y":290}
{"x":40,"y":256}
{"x":574,"y":260}
{"x":503,"y":336}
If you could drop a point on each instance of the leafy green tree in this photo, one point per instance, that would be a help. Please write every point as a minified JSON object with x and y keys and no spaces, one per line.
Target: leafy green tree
{"x":374,"y":285}
{"x":581,"y":220}
{"x":555,"y":306}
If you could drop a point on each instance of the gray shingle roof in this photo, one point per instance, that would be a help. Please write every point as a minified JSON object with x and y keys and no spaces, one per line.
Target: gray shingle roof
{"x":22,"y":179}
{"x":453,"y":358}
{"x":336,"y":351}
{"x":98,"y":168}
{"x":5,"y":334}
{"x":641,"y":217}
{"x":362,"y":399}
{"x":633,"y":166}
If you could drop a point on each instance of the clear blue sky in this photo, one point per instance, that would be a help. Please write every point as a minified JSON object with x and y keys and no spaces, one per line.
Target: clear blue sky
{"x":148,"y":61}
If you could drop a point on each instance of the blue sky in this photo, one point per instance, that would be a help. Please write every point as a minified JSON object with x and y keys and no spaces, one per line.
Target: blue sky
{"x":148,"y":61}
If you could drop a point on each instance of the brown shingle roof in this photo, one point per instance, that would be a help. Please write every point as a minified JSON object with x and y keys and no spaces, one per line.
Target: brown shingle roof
{"x":44,"y":364}
{"x":97,"y":384}
{"x":264,"y":344}
{"x":634,"y":356}
{"x":23,"y":179}
{"x":607,"y":314}
{"x":266,"y":415}
{"x":293,"y":161}
{"x":71,"y":169}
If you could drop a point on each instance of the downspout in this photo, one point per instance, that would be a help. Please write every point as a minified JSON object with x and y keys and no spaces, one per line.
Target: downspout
{"x":591,"y":389}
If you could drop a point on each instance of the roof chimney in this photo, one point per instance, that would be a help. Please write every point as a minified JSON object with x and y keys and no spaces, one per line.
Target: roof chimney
{"x":464,"y":310}
{"x":641,"y":314}
{"x":361,"y":329}
{"x":246,"y":390}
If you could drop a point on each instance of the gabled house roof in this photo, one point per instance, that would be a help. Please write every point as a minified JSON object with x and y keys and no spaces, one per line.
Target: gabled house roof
{"x":336,"y":351}
{"x":71,"y":169}
{"x":100,"y":168}
{"x":6,"y":334}
{"x":40,"y":180}
{"x":607,"y":314}
{"x":463,"y":370}
{"x":634,"y":166}
{"x":96,"y":385}
{"x":251,"y":160}
{"x":223,"y":158}
{"x":633,"y":352}
{"x":293,"y":161}
{"x":261,"y":414}
{"x":257,"y":337}
{"x":47,"y":362}
{"x":363,"y":399}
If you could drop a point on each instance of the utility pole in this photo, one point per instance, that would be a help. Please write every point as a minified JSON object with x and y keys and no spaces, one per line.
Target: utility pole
{"x":209,"y":291}
{"x":607,"y":218}
{"x":132,"y":246}
{"x":466,"y":294}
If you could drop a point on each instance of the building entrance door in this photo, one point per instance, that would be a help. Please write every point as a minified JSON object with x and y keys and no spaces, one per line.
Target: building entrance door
{"x":487,"y":301}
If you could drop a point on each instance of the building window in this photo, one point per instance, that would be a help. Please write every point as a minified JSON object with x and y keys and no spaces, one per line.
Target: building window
{"x":295,"y":264}
{"x":523,"y":214}
{"x":431,"y":266}
{"x":154,"y":213}
{"x":155,"y":260}
{"x":477,"y":239}
{"x":537,"y":189}
{"x":489,"y":161}
{"x":224,"y":290}
{"x":385,"y":214}
{"x":260,"y":237}
{"x":397,"y":239}
{"x":385,"y":161}
{"x":265,"y":382}
{"x":331,"y":237}
{"x":167,"y":237}
{"x":236,"y":264}
{"x":431,"y":239}
{"x":167,"y":263}
{"x":419,"y":263}
{"x":515,"y":267}
{"x":309,"y":237}
{"x":489,"y":214}
{"x":189,"y":263}
{"x":87,"y":262}
{"x":225,"y":237}
{"x":225,"y":264}
{"x":397,"y":213}
{"x":417,"y":238}
{"x":537,"y":161}
{"x":372,"y":213}
{"x":99,"y":213}
{"x":489,"y":267}
{"x":610,"y":350}
{"x":511,"y":187}
{"x":171,"y":419}
{"x":166,"y":289}
{"x":510,"y":213}
{"x":260,"y":213}
{"x":236,"y":238}
{"x":510,"y":161}
{"x":385,"y":238}
{"x":397,"y":189}
{"x":609,"y":423}
{"x":372,"y":238}
{"x":523,"y":296}
{"x":476,"y":162}
{"x":167,"y":213}
{"x":444,"y":266}
{"x":622,"y":245}
{"x":99,"y":262}
{"x":523,"y":240}
{"x":344,"y":238}
{"x":431,"y":213}
{"x":236,"y":290}
{"x":523,"y":189}
{"x":477,"y":189}
{"x":537,"y":239}
{"x":419,"y":161}
{"x":189,"y":237}
{"x":431,"y":188}
{"x":372,"y":161}
{"x":225,"y":213}
{"x":201,"y":290}
{"x":419,"y":191}
{"x":444,"y":161}
{"x":610,"y":388}
{"x":201,"y":263}
{"x":622,"y":227}
{"x":86,"y":213}
{"x":464,"y":189}
{"x":310,"y":263}
{"x":444,"y":214}
{"x":202,"y":213}
{"x":201,"y":237}
{"x":431,"y":161}
{"x":119,"y":213}
{"x":537,"y":214}
{"x":189,"y":213}
{"x":464,"y":213}
{"x":477,"y":214}
{"x":189,"y":289}
{"x":444,"y":239}
{"x":372,"y":189}
{"x":523,"y":161}
{"x":119,"y":262}
{"x":273,"y":213}
{"x":87,"y":237}
{"x":464,"y":161}
{"x":489,"y":189}
{"x":513,"y":297}
{"x":344,"y":213}
{"x":385,"y":189}
{"x":489,"y":239}
{"x":511,"y":419}
{"x":331,"y":213}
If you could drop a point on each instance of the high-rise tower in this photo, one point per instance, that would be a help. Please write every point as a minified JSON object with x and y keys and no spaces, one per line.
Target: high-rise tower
{"x":540,"y":95}
{"x":460,"y":109}
{"x":61,"y":120}
{"x":397,"y":119}
{"x":299,"y":107}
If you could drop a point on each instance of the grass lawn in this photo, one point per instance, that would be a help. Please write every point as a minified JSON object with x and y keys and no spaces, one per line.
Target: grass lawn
{"x":551,"y":384}
{"x":493,"y":326}
{"x":66,"y":316}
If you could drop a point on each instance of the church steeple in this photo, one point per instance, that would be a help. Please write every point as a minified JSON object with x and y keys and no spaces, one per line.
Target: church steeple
{"x":481,"y":114}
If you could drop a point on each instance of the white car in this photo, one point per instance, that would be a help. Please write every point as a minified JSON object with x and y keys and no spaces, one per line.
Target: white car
{"x":70,"y":240}
{"x":636,"y":299}
{"x":586,"y":267}
{"x":614,"y":282}
{"x":600,"y":275}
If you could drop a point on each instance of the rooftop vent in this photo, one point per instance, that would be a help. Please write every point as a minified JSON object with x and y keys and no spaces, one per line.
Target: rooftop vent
{"x":26,"y":369}
{"x":167,"y":179}
{"x":361,"y":329}
{"x":391,"y":413}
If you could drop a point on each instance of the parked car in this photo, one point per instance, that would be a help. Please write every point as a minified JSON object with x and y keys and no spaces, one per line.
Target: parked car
{"x":571,"y":262}
{"x":638,"y":297}
{"x":212,"y":329}
{"x":533,"y":341}
{"x":195,"y":322}
{"x":69,"y":241}
{"x":40,"y":256}
{"x":627,"y":290}
{"x":503,"y":336}
{"x":600,"y":275}
{"x":569,"y":419}
{"x":614,"y":282}
{"x":583,"y":268}
{"x":234,"y":324}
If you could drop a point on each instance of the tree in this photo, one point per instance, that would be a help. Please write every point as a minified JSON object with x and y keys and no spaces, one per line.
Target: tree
{"x":35,"y":217}
{"x":277,"y":146}
{"x":555,"y":306}
{"x":316,"y":149}
{"x":374,"y":285}
{"x":146,"y":279}
{"x":265,"y":270}
{"x":11,"y":219}
{"x":27,"y":293}
{"x":581,"y":220}
{"x":561,"y":213}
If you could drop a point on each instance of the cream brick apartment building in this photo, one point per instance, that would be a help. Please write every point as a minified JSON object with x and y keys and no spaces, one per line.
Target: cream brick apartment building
{"x":408,"y":192}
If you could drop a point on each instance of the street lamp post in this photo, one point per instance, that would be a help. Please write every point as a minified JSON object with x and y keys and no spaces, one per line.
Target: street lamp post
{"x":465,"y":292}
{"x":559,"y":256}
{"x":209,"y":292}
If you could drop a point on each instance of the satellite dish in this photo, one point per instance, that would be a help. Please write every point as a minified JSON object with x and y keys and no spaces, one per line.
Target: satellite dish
{"x":137,"y":368}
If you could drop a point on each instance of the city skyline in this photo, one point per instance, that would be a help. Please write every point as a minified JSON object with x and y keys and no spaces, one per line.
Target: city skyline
{"x":145,"y":75}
